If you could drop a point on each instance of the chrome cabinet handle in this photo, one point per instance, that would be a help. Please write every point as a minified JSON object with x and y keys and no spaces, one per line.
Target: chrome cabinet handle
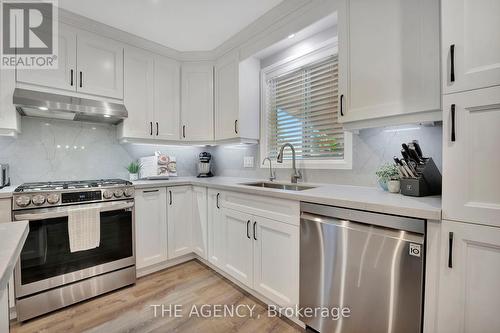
{"x":254,"y":232}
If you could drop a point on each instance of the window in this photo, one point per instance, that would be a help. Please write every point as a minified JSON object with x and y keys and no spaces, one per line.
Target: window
{"x":301,"y":107}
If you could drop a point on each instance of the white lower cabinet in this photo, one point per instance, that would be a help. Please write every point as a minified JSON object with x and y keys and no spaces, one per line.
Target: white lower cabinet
{"x":216,"y":229}
{"x":469,"y":286}
{"x":276,"y":260}
{"x":199,"y":221}
{"x":261,"y":253}
{"x":150,"y":226}
{"x":238,"y":249}
{"x":179,"y":209}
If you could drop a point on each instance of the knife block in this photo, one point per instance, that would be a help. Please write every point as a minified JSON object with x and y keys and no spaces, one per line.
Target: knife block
{"x":428,"y":181}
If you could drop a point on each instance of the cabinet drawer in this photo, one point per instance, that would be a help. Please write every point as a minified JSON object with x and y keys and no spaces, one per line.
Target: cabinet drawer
{"x":283,"y":210}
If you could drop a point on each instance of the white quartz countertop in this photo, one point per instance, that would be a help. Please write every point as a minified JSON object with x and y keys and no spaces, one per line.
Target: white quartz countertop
{"x":6,"y":192}
{"x":355,"y":197}
{"x":12,"y":238}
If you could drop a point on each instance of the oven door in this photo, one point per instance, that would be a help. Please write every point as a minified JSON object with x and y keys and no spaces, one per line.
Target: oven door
{"x":46,"y":261}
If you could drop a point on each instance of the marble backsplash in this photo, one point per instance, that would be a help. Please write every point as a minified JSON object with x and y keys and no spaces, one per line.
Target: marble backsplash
{"x":49,"y":150}
{"x":371,"y":149}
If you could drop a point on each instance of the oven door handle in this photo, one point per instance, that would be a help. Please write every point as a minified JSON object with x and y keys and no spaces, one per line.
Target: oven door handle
{"x":50,"y":213}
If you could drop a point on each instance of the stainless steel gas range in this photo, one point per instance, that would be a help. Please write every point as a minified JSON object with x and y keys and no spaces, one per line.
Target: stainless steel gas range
{"x":48,"y":275}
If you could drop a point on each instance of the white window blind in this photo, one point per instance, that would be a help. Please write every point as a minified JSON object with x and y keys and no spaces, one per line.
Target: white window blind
{"x":302,"y":109}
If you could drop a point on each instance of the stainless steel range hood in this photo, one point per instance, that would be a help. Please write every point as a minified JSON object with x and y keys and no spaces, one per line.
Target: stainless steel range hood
{"x":46,"y":105}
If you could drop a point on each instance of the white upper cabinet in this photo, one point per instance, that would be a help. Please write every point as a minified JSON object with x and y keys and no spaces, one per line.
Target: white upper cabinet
{"x":152,"y":96}
{"x":64,"y":77}
{"x":166,"y":98}
{"x":471,"y":43}
{"x":471,"y":183}
{"x":87,"y":64}
{"x":388,"y":59}
{"x":151,"y":226}
{"x":197,"y":109}
{"x":180,"y":204}
{"x":469,"y":293}
{"x":199,"y":221}
{"x":138,"y":94}
{"x":99,"y":66}
{"x":237,"y":98}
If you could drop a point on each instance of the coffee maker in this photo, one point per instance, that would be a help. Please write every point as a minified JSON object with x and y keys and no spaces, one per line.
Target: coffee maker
{"x":204,"y":165}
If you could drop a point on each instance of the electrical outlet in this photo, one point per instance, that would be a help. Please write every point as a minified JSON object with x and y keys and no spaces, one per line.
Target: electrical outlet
{"x":248,"y":162}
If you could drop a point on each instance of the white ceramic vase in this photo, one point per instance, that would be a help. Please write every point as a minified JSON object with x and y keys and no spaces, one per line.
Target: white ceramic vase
{"x":133,"y":176}
{"x":394,"y":186}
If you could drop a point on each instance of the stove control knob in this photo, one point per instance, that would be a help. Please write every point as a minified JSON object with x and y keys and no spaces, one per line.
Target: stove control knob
{"x":118,"y":193}
{"x":129,"y":192}
{"x":23,"y":201}
{"x":107,"y":194}
{"x":53,"y":198}
{"x":38,"y":199}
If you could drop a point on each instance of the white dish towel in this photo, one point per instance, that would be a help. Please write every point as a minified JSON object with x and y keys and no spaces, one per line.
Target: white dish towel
{"x":84,"y":228}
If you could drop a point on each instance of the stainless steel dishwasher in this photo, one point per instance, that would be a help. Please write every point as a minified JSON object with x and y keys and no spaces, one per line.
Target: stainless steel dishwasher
{"x":369,"y":263}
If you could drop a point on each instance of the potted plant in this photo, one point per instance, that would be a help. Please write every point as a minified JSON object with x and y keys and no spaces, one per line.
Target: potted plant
{"x":133,"y":170}
{"x":388,"y":177}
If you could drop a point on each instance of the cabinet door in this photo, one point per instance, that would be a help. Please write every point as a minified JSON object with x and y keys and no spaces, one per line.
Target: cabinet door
{"x":150,"y":226}
{"x":199,"y":220}
{"x":471,"y":183}
{"x":239,"y":244}
{"x":64,"y":77}
{"x":100,"y":66}
{"x":227,"y":97}
{"x":276,"y":260}
{"x":138,"y":93}
{"x":167,"y":99}
{"x":473,"y":27}
{"x":216,"y":229}
{"x":388,"y":58}
{"x":469,"y":292}
{"x":180,"y":204}
{"x":197,"y":110}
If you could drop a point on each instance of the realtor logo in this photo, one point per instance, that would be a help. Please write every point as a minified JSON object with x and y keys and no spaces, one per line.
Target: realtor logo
{"x":29,"y":34}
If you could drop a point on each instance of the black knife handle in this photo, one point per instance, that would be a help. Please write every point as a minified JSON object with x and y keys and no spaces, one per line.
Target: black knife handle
{"x":341,"y":105}
{"x":453,"y":136}
{"x":418,"y":149}
{"x":452,"y":63}
{"x":450,"y":249}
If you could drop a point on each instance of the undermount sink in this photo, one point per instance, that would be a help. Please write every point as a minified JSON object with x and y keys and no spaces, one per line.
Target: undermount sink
{"x":286,"y":187}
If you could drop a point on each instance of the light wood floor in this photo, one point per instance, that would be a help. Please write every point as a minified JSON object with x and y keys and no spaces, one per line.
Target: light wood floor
{"x":130,"y":309}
